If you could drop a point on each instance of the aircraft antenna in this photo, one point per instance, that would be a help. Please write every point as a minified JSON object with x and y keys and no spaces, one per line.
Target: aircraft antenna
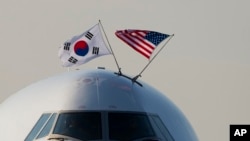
{"x":119,"y":69}
{"x":139,"y":75}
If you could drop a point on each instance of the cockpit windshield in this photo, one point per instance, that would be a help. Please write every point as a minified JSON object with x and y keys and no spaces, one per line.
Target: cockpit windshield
{"x":101,"y":126}
{"x":80,"y":125}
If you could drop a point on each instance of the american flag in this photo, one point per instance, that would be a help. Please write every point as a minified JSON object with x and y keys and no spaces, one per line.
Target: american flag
{"x":143,"y":41}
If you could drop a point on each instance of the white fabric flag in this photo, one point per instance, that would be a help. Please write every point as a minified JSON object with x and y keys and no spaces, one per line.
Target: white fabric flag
{"x":83,"y":48}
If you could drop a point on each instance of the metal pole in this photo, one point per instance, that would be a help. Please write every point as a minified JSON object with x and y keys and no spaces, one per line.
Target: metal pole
{"x":139,"y":75}
{"x":119,"y":69}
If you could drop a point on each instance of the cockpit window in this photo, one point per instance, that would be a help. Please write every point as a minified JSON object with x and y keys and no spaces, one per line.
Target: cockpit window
{"x":79,"y":125}
{"x":45,"y":131}
{"x":161,"y":128}
{"x":40,"y":123}
{"x":129,"y":126}
{"x":100,"y":125}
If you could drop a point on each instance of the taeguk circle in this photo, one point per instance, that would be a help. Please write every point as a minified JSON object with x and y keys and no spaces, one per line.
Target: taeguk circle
{"x":81,"y":48}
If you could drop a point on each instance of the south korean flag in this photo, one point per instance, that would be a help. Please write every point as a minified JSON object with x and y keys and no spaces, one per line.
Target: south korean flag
{"x":83,"y":48}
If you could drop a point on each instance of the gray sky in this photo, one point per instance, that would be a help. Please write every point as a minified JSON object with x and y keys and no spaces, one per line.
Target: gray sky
{"x":204,"y":70}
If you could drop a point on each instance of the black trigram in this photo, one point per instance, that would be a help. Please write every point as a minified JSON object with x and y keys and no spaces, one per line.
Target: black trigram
{"x":72,"y":60}
{"x":66,"y":45}
{"x":95,"y":50}
{"x":89,"y":35}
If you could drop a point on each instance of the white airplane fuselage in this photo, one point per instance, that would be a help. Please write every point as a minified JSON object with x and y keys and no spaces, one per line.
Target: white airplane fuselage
{"x":101,"y":104}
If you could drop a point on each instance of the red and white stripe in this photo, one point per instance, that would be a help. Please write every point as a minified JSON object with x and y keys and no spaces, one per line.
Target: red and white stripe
{"x":136,"y":39}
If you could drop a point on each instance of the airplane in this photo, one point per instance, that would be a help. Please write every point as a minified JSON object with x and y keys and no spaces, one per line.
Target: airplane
{"x":92,"y":105}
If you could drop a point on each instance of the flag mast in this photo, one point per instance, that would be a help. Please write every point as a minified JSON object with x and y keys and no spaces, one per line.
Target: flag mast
{"x":139,"y":75}
{"x":119,"y":69}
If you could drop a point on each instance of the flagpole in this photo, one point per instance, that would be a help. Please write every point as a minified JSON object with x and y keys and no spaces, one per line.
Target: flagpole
{"x":119,"y":69}
{"x":139,"y":75}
